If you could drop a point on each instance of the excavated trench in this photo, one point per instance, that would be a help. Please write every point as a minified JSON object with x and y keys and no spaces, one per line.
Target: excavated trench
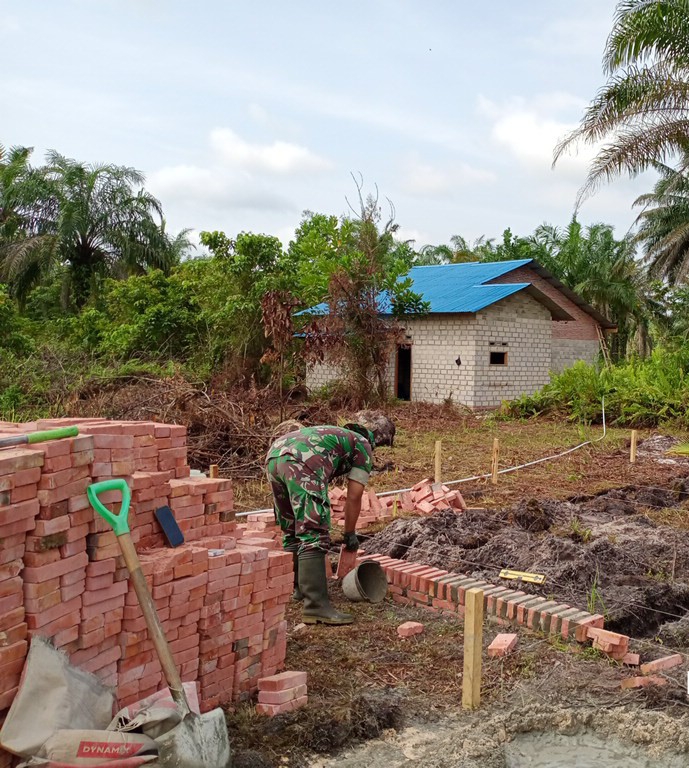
{"x":603,"y":553}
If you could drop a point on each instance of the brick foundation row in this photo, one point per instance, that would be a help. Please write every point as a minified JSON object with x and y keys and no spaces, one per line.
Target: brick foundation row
{"x":444,"y":592}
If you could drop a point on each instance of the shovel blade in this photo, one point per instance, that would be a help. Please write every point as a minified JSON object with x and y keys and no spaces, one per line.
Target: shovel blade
{"x":199,"y":741}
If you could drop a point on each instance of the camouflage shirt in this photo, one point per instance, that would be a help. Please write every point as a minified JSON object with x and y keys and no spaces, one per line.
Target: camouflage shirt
{"x":327,"y":452}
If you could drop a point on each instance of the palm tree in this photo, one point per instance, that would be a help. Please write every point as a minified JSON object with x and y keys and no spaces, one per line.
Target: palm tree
{"x":642,"y":111}
{"x":94,"y":219}
{"x":603,"y":271}
{"x":459,"y":251}
{"x":664,"y":224}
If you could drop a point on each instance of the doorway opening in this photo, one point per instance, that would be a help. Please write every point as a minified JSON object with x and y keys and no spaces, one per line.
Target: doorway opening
{"x":403,"y":374}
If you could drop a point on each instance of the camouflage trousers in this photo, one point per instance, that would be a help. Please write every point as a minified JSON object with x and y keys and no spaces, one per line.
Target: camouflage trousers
{"x":301,"y":505}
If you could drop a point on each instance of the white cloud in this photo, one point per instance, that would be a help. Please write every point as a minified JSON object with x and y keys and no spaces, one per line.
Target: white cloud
{"x":530,"y":131}
{"x":280,"y":157}
{"x":426,"y":180}
{"x":417,"y":236}
{"x":215,"y":188}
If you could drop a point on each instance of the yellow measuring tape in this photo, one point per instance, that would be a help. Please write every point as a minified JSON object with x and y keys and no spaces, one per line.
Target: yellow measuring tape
{"x":532,"y":578}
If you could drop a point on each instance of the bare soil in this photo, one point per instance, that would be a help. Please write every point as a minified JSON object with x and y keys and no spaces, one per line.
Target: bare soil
{"x":604,"y":552}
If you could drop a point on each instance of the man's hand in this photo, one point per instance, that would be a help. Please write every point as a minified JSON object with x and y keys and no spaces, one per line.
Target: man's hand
{"x":351,"y":541}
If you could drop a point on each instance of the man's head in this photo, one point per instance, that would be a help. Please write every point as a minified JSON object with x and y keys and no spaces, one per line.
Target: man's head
{"x":365,"y":432}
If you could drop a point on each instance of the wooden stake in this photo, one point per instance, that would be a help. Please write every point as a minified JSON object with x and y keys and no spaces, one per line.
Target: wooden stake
{"x":438,"y":459}
{"x":213,"y":471}
{"x":494,"y":461}
{"x":473,"y":648}
{"x":632,"y":447}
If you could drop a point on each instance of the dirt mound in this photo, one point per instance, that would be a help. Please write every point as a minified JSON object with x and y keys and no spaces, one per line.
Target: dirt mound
{"x":602,"y":553}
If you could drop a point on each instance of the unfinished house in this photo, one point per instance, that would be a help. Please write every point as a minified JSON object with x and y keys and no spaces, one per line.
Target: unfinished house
{"x":494,"y":332}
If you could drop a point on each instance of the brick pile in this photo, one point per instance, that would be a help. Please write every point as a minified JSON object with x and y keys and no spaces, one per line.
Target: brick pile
{"x":221,"y":595}
{"x":424,"y":498}
{"x":282,"y":693}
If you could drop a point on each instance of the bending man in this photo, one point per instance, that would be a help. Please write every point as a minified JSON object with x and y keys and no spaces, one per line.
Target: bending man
{"x":299,"y":466}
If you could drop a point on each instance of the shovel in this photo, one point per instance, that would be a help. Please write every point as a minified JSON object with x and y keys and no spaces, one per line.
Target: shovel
{"x":198,"y":741}
{"x":39,"y":437}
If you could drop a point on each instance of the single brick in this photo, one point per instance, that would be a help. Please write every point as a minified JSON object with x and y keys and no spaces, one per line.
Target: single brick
{"x":641,"y":682}
{"x":667,"y":662}
{"x":409,"y":628}
{"x":502,"y":645}
{"x":346,"y":563}
{"x":631,"y":660}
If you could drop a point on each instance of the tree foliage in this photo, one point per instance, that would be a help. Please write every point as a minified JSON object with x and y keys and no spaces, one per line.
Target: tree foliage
{"x":366,"y":295}
{"x":642,"y":112}
{"x":663,"y":224}
{"x":96,"y":220}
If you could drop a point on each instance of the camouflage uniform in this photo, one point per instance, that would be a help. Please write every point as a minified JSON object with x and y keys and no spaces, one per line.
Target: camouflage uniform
{"x":299,"y":466}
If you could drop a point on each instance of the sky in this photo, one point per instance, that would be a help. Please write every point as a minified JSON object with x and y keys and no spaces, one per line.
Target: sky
{"x":244,"y":115}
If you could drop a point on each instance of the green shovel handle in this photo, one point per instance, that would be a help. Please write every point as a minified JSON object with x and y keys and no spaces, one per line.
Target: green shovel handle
{"x":119,"y":522}
{"x":53,"y":434}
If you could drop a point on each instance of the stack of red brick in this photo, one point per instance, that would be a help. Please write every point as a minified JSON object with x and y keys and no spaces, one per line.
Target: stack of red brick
{"x":221,"y":597}
{"x":424,"y":498}
{"x":282,"y":693}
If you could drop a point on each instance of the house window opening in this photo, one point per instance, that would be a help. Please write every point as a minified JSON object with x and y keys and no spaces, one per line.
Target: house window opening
{"x":498,"y":358}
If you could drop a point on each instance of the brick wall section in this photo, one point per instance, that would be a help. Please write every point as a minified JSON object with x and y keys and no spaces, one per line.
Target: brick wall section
{"x":221,"y":596}
{"x":443,"y":592}
{"x":520,"y":322}
{"x":573,"y":340}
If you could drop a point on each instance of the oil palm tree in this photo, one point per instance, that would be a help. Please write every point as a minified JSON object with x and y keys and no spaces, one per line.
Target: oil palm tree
{"x":664,"y":224}
{"x":642,"y":112}
{"x":602,"y":270}
{"x":459,"y":251}
{"x":96,"y":220}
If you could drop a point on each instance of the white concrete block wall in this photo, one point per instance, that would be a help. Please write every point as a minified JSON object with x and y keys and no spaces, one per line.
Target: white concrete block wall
{"x":521,"y":327}
{"x":566,"y":352}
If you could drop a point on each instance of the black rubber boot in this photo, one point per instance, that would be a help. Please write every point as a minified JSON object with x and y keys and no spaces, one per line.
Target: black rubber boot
{"x":296,"y":595}
{"x":314,"y":586}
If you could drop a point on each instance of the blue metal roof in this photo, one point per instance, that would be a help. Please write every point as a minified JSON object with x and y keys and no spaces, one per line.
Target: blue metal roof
{"x":460,"y":287}
{"x":457,"y":287}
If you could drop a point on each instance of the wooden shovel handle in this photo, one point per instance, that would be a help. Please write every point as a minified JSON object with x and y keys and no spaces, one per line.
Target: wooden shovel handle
{"x":155,"y":629}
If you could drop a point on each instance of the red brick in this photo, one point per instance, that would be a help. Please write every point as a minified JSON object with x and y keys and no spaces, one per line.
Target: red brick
{"x":641,"y":682}
{"x":409,"y":628}
{"x":502,"y":645}
{"x":282,"y":682}
{"x":52,"y":570}
{"x":13,"y":635}
{"x":281,"y":697}
{"x":667,"y":662}
{"x":37,"y":621}
{"x":276,"y":709}
{"x":42,"y":603}
{"x":594,"y":620}
{"x":16,"y":651}
{"x":11,"y":618}
{"x":17,"y":459}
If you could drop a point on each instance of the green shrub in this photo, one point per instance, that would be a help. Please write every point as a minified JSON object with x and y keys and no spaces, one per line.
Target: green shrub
{"x":638,"y":393}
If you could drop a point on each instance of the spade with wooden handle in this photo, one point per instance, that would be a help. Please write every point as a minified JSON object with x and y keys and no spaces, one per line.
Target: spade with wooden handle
{"x":198,"y":741}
